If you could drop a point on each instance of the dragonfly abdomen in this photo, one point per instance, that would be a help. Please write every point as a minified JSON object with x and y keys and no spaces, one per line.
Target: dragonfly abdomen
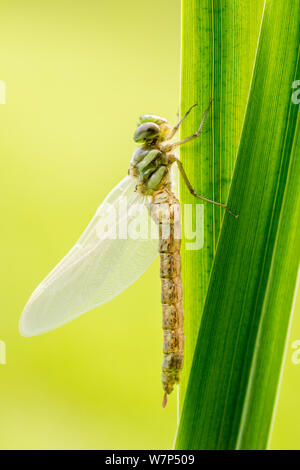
{"x":165,"y":209}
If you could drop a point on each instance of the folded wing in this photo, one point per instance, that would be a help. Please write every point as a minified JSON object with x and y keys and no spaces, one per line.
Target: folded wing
{"x":103,"y":263}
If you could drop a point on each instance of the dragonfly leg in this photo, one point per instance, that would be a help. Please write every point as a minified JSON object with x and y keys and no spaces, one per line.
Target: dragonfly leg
{"x":193,"y":192}
{"x":196,"y":134}
{"x":167,"y":146}
{"x":175,"y":128}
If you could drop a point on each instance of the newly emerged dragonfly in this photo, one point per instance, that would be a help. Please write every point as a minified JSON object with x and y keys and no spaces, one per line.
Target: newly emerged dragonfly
{"x":103,"y":264}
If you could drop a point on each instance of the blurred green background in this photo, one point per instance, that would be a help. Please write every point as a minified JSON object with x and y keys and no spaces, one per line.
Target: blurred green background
{"x":78,"y":74}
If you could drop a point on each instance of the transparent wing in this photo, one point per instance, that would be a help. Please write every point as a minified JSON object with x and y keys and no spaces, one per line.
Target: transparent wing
{"x":103,"y":262}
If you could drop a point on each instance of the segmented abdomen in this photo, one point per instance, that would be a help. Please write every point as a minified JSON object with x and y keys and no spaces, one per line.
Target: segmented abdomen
{"x":165,"y":209}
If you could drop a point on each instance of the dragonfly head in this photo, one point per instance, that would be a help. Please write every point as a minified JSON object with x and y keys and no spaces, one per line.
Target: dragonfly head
{"x":146,"y":132}
{"x":151,"y":128}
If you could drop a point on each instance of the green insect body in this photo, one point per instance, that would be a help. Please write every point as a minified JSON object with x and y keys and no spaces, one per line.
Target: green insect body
{"x":150,"y":165}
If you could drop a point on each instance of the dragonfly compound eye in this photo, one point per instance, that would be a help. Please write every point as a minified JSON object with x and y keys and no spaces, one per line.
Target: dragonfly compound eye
{"x":146,"y":132}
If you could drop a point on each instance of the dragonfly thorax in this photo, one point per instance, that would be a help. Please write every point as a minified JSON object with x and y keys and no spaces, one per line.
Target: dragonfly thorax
{"x":150,"y":166}
{"x":149,"y":163}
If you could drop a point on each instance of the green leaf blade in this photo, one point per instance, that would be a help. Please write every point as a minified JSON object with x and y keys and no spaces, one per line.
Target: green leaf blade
{"x":218,"y":51}
{"x":236,"y":368}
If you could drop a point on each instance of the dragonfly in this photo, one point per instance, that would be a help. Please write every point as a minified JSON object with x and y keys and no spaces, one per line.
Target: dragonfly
{"x":101,"y":265}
